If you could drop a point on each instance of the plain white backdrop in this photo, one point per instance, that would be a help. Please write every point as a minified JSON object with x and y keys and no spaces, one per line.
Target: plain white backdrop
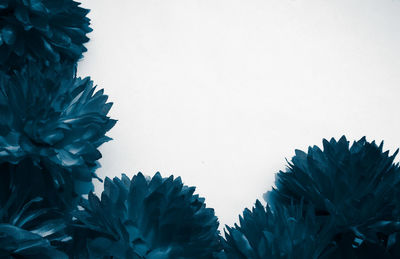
{"x":220,"y":92}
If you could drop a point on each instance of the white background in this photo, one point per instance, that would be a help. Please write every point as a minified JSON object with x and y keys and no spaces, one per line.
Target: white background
{"x":220,"y":92}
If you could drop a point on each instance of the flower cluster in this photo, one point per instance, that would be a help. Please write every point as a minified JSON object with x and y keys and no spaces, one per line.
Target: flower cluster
{"x":339,"y":202}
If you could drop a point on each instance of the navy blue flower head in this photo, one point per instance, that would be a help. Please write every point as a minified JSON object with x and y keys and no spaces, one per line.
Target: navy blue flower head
{"x":56,"y":121}
{"x":358,"y":186}
{"x":41,"y":30}
{"x":146,"y":218}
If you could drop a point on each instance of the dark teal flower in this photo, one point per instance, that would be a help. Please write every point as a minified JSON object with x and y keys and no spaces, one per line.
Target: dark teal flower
{"x":48,"y":31}
{"x":291,"y":232}
{"x":56,"y":121}
{"x":146,"y":218}
{"x":357,"y":186}
{"x":29,"y":227}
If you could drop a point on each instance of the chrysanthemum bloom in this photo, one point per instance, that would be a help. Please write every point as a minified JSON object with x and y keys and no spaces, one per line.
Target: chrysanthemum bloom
{"x":53,"y":122}
{"x":146,"y":218}
{"x":358,"y":186}
{"x":47,"y":31}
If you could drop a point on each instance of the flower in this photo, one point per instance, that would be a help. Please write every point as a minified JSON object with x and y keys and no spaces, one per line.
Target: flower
{"x":357,"y":186}
{"x":51,"y":31}
{"x":55,"y":120}
{"x":146,"y":218}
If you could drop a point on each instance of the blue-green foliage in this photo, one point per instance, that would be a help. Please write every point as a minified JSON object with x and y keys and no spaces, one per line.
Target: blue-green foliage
{"x":145,"y":218}
{"x":48,"y":31}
